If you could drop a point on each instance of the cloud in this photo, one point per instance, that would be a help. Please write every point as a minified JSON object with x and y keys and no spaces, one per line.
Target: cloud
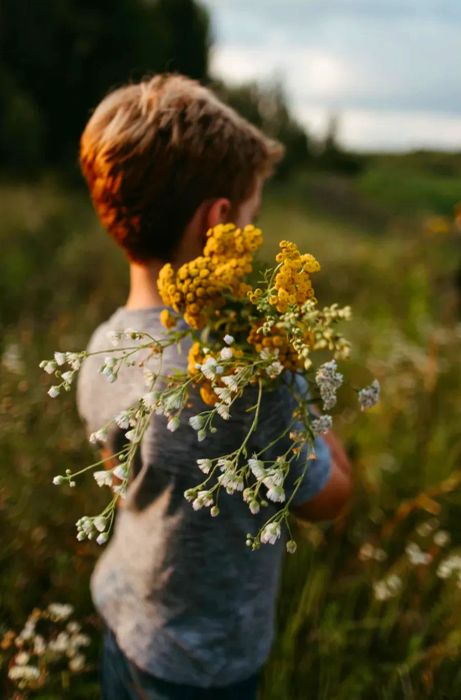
{"x":366,"y":130}
{"x":347,"y":55}
{"x":307,"y":71}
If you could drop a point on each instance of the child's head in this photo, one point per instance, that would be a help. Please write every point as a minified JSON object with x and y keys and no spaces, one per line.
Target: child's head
{"x":154,"y":152}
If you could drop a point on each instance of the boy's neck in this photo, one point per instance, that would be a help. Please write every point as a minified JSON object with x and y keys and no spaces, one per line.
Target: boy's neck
{"x":143,"y":286}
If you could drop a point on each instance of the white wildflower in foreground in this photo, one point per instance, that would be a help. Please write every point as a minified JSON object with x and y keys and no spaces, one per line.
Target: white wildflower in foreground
{"x":205,"y":465}
{"x":103,"y":477}
{"x":276,"y":494}
{"x":60,"y":358}
{"x":49,"y":366}
{"x":257,"y":467}
{"x":274,"y":369}
{"x":369,"y":395}
{"x":196,"y":422}
{"x":209,"y":368}
{"x":123,"y":419}
{"x":270,"y":533}
{"x":226,"y":354}
{"x":223,"y":410}
{"x":204,"y":499}
{"x":99,"y":436}
{"x":173,"y":424}
{"x":231,"y":382}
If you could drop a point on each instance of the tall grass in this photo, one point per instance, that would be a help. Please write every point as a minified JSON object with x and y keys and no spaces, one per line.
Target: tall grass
{"x":60,"y":277}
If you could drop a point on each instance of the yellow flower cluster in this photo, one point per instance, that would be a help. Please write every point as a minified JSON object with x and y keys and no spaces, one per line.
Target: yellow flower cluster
{"x":195,"y":357}
{"x":292,"y":282}
{"x":278,"y":339}
{"x":198,"y":287}
{"x":167,"y":320}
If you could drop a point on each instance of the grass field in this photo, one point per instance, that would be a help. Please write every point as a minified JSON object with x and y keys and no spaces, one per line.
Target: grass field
{"x":345,"y":630}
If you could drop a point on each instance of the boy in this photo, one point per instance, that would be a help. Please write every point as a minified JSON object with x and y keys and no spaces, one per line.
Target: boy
{"x":188,"y":607}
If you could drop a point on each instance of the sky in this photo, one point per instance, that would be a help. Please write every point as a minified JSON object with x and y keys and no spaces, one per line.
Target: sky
{"x":390,"y":70}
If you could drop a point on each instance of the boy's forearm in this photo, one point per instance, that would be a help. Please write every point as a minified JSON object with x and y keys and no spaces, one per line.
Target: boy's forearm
{"x":338,"y":453}
{"x":329,"y":503}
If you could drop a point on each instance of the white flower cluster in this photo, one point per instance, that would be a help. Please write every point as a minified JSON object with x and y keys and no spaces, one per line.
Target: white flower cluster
{"x":449,"y":566}
{"x":388,"y":587}
{"x":168,"y":403}
{"x":368,"y":552}
{"x":270,"y":533}
{"x":104,"y":477}
{"x":322,"y":424}
{"x":73,"y":360}
{"x":28,"y":668}
{"x":110,"y":368}
{"x":275,"y":367}
{"x":441,"y":538}
{"x":273,"y":477}
{"x":416,"y":555}
{"x":369,"y":395}
{"x":60,"y":611}
{"x":233,"y":478}
{"x":115,"y":337}
{"x":89,"y":528}
{"x":427,"y":527}
{"x":328,"y":380}
{"x":233,"y":385}
{"x":320,"y":321}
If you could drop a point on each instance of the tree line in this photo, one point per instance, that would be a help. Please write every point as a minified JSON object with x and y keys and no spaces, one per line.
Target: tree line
{"x":58,"y":58}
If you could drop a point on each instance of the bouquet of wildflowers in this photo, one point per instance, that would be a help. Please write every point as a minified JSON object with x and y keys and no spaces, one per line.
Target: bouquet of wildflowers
{"x":243,"y":335}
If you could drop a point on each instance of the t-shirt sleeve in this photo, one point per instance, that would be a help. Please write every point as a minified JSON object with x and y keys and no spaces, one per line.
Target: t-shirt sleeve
{"x":318,"y":470}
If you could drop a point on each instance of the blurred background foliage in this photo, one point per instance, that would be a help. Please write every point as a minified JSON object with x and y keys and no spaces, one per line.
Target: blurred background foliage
{"x":387,"y":231}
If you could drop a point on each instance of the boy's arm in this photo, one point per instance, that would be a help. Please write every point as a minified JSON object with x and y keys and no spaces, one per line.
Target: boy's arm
{"x":330,"y":501}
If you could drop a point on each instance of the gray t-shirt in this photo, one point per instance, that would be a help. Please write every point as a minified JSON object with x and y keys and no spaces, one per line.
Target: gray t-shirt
{"x":187,"y":600}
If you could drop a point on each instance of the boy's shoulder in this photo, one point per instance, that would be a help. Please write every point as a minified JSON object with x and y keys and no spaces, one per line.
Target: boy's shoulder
{"x":99,"y":400}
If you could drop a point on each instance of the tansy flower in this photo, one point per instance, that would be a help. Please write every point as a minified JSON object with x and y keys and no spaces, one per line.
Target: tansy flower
{"x":292,"y":281}
{"x":167,"y":320}
{"x":198,"y":287}
{"x":277,"y":340}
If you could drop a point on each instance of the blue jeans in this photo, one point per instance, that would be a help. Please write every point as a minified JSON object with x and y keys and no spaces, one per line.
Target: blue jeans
{"x":123,"y":680}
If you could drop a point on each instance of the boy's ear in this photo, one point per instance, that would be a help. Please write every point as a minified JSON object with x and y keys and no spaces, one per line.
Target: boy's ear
{"x":210,"y":213}
{"x":218,"y":212}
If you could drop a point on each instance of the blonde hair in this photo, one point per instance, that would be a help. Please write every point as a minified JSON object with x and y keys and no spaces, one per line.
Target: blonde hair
{"x":153,"y":151}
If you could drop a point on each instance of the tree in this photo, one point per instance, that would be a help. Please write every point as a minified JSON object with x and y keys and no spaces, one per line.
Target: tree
{"x":60,"y":57}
